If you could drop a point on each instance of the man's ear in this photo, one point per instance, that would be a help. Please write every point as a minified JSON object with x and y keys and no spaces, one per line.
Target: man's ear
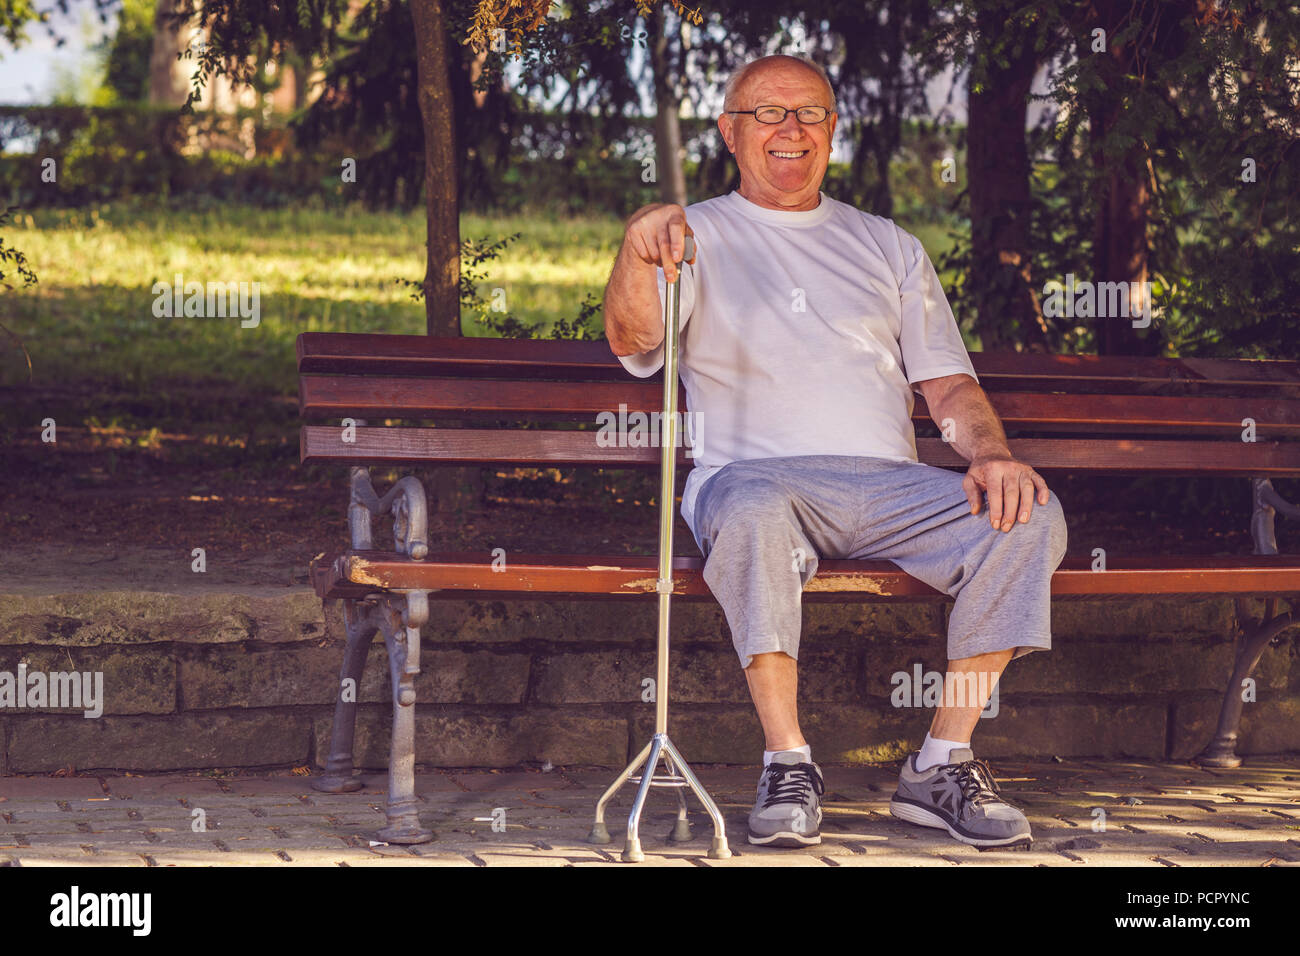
{"x":727,"y":131}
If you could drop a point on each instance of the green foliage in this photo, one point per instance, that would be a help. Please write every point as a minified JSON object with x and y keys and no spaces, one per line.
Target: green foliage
{"x":370,"y":101}
{"x":585,"y":154}
{"x":474,"y":253}
{"x":1195,"y":93}
{"x":490,"y":320}
{"x":585,"y":325}
{"x":1201,"y":96}
{"x":108,"y":153}
{"x":8,"y":254}
{"x":128,"y":51}
{"x":244,"y":34}
{"x":80,"y":81}
{"x":15,"y":15}
{"x":1211,"y":93}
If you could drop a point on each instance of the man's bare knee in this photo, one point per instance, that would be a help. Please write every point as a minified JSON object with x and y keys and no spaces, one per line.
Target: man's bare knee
{"x":769,"y":660}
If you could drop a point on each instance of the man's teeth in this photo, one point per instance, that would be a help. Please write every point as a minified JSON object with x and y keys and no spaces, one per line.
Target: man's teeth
{"x":789,"y":155}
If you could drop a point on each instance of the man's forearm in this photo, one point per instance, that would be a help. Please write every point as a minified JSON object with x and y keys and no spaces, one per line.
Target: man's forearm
{"x":975,"y":430}
{"x":962,"y":411}
{"x":632,"y":308}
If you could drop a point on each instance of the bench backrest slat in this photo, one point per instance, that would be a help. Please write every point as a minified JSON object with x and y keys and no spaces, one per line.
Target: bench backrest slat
{"x":325,"y":443}
{"x":1091,"y":414}
{"x":377,"y":354}
{"x":338,"y":396}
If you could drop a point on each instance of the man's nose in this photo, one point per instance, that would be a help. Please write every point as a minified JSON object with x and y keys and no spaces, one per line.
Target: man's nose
{"x":791,"y":125}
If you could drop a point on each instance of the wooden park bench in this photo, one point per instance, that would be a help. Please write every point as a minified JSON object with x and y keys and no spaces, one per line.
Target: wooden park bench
{"x":1064,"y":414}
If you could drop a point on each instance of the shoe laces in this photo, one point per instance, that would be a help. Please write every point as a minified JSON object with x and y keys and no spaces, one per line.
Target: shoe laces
{"x":976,"y":782}
{"x":790,"y":782}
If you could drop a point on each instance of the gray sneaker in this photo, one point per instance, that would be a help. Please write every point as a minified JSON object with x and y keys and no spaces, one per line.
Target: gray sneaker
{"x":960,"y":797}
{"x":788,"y":811}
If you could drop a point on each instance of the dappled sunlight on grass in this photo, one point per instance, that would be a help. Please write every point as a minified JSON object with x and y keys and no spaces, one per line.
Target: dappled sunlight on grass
{"x":90,"y":318}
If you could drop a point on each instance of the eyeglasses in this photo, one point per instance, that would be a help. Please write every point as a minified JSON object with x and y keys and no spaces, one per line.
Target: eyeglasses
{"x":772,"y":115}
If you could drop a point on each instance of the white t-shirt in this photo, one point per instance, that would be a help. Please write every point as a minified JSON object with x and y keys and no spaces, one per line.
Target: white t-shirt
{"x":802,"y":333}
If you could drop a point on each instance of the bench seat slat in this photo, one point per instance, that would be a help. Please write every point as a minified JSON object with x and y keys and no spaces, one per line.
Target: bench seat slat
{"x":554,"y":448}
{"x":354,"y":573}
{"x":339,"y":396}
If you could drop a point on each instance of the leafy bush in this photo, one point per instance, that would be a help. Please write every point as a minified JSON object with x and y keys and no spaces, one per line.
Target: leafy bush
{"x":116,"y":152}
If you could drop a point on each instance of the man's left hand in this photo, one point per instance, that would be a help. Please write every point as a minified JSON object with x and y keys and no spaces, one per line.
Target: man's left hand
{"x":1011,"y":486}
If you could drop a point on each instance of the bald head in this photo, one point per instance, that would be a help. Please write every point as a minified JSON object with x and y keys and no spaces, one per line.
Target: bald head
{"x":741,"y":78}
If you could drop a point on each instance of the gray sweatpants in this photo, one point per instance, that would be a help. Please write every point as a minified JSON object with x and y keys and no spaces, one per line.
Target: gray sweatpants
{"x":762,"y":524}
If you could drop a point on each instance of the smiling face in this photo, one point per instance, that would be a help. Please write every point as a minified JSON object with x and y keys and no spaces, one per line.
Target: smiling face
{"x":782,"y":165}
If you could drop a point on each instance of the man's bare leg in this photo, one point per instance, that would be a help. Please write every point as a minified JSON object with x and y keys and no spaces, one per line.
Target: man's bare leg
{"x":954,"y":722}
{"x":774,"y":686}
{"x":960,"y":798}
{"x":787,"y":810}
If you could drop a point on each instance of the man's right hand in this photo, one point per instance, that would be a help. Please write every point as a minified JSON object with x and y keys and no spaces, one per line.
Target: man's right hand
{"x":656,"y":234}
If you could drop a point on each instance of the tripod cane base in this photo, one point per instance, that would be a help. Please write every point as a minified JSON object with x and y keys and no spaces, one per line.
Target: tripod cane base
{"x":680,"y":777}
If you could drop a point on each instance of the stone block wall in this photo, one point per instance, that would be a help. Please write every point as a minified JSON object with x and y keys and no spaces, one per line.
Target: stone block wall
{"x":224,"y":681}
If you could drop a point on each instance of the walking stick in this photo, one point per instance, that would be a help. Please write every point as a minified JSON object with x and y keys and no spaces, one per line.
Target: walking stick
{"x":678,"y":775}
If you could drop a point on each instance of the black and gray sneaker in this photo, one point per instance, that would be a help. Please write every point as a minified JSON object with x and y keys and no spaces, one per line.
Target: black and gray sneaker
{"x":788,"y":811}
{"x":960,"y":797}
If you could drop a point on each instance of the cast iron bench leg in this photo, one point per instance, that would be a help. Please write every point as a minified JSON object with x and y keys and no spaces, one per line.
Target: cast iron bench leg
{"x":361,"y":628}
{"x":401,"y":630}
{"x":398,"y":615}
{"x":1254,"y":636}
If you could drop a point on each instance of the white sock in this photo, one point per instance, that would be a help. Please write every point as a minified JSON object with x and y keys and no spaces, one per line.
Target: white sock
{"x":806,"y":750}
{"x":935,"y":751}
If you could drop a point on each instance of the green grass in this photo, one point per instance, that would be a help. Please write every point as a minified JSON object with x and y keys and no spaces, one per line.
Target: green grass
{"x":89,"y":322}
{"x":90,"y":318}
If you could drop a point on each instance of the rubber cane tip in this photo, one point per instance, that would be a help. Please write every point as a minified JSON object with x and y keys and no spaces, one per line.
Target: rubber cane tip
{"x":681,"y":832}
{"x":632,"y":854}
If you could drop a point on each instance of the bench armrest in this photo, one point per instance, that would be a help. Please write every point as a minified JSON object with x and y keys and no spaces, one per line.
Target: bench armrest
{"x":1267,"y":504}
{"x":405,"y":501}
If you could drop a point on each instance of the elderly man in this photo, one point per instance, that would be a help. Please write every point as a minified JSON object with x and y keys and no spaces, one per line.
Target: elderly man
{"x":806,"y":324}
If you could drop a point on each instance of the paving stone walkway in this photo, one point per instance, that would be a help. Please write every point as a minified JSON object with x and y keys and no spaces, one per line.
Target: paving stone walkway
{"x":1083,"y":813}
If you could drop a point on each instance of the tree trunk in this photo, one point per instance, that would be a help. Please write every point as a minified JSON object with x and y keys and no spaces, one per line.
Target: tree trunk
{"x":997,"y":164}
{"x":454,"y":489}
{"x":882,"y":200}
{"x":668,"y":127}
{"x":1120,"y":252}
{"x":442,"y":267}
{"x":166,"y":87}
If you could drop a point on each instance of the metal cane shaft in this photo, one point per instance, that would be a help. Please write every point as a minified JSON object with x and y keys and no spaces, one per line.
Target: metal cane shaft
{"x":660,"y":747}
{"x":667,"y":484}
